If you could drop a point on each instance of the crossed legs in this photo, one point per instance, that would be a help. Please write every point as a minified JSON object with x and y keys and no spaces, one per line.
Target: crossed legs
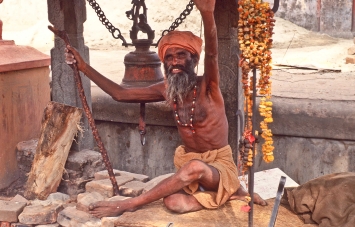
{"x":170,"y":189}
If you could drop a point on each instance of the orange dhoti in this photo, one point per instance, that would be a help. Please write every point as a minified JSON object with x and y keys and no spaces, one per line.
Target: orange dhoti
{"x":222,"y":160}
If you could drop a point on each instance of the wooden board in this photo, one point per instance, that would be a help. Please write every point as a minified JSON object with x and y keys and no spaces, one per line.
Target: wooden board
{"x":58,"y":128}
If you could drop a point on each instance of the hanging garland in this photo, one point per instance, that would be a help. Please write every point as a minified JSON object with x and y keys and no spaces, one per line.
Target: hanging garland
{"x":255,"y":26}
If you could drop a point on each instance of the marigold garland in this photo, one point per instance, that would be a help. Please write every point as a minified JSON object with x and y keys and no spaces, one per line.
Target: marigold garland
{"x":255,"y":26}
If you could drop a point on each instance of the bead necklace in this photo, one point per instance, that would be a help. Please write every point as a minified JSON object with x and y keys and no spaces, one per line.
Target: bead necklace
{"x":177,"y":118}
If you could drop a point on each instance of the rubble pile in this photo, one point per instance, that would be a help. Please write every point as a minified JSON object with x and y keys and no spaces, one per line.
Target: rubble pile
{"x":84,"y":182}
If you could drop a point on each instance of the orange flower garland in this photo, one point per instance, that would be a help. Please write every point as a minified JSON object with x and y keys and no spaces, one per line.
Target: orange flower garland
{"x":255,"y":26}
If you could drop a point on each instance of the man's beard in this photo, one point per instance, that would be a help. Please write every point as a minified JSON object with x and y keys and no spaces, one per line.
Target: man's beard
{"x":180,"y":84}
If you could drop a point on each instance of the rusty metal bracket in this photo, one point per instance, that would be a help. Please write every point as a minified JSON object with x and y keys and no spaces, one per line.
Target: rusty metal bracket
{"x":63,"y":35}
{"x":141,"y":126}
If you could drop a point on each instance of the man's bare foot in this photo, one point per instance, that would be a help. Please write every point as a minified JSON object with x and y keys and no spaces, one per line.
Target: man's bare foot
{"x":241,"y":193}
{"x":108,"y":208}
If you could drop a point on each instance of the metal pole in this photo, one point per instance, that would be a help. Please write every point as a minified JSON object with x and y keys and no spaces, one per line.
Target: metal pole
{"x":251,"y":168}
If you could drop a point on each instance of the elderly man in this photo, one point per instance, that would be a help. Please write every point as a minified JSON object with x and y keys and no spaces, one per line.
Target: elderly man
{"x":207,"y":176}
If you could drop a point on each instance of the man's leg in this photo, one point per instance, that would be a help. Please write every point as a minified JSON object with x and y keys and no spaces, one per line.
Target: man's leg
{"x":193,"y":171}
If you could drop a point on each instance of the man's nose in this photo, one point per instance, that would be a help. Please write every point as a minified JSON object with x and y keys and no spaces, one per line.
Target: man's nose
{"x":175,"y":60}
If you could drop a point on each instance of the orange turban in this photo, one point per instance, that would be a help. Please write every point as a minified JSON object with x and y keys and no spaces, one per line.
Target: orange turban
{"x":183,"y":39}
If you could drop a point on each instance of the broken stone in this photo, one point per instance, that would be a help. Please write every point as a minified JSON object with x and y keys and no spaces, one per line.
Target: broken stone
{"x":20,"y":225}
{"x":104,"y":187}
{"x":137,"y":177}
{"x":49,"y":225}
{"x":25,"y":154}
{"x":351,"y":50}
{"x":86,"y":161}
{"x":152,"y":183}
{"x":84,"y":201}
{"x":70,"y":217}
{"x":117,"y":198}
{"x":104,"y":175}
{"x":108,"y":221}
{"x":350,"y":59}
{"x":4,"y":224}
{"x":39,"y":214}
{"x":9,"y":210}
{"x":73,"y":186}
{"x":132,"y":189}
{"x":19,"y":198}
{"x":59,"y":198}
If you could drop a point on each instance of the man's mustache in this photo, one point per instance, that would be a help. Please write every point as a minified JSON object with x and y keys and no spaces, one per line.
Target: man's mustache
{"x":181,"y":67}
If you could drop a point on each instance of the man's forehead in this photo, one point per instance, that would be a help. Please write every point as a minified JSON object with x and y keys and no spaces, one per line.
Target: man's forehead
{"x":173,"y":50}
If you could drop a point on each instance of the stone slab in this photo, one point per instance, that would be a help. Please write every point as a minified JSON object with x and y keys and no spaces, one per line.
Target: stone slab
{"x":132,"y":189}
{"x":70,"y":217}
{"x":9,"y":210}
{"x":19,"y":198}
{"x":230,"y":214}
{"x":87,"y":161}
{"x":25,"y":154}
{"x":104,"y":187}
{"x":108,"y":221}
{"x":104,"y":175}
{"x":266,"y":182}
{"x":84,"y":201}
{"x":153,"y":182}
{"x":117,"y":198}
{"x":49,"y":225}
{"x":21,"y":225}
{"x":39,"y":214}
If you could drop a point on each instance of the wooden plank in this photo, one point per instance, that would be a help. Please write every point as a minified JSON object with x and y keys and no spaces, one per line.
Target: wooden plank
{"x":60,"y":124}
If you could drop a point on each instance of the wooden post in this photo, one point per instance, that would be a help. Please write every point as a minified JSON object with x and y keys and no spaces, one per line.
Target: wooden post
{"x":60,"y":124}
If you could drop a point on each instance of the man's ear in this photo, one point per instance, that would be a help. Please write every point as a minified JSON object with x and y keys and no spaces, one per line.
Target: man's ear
{"x":195,"y":60}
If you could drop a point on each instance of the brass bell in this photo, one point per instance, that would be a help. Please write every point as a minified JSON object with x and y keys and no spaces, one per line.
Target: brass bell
{"x":142,"y":66}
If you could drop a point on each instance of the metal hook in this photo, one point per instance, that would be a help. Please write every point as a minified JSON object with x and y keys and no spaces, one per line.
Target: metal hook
{"x":142,"y":133}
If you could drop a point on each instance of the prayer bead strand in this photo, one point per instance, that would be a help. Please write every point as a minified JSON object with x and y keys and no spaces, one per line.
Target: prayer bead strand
{"x":193,"y":107}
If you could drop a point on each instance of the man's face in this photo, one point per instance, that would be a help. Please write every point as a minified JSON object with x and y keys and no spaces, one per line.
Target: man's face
{"x":179,"y":70}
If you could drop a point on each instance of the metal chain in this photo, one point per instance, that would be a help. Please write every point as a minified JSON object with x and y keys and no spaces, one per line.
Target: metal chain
{"x":178,"y":20}
{"x":112,"y":29}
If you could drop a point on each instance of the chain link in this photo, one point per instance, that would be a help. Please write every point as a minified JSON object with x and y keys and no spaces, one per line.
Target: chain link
{"x":113,"y":30}
{"x":116,"y":33}
{"x":178,"y":20}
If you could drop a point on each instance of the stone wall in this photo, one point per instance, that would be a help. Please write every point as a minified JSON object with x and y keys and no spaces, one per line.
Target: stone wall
{"x":335,"y":18}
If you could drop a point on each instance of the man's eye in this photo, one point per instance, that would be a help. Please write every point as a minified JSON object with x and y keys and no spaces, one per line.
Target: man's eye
{"x":182,"y":55}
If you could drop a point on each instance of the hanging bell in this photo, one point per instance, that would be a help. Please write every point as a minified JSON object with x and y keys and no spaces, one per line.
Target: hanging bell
{"x":142,"y":66}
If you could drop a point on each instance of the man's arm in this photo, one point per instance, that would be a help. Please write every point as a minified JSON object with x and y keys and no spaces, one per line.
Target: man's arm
{"x":206,"y":8}
{"x":117,"y":92}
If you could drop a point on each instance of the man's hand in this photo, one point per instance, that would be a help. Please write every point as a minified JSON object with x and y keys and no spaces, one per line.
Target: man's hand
{"x":205,"y":5}
{"x":72,"y":56}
